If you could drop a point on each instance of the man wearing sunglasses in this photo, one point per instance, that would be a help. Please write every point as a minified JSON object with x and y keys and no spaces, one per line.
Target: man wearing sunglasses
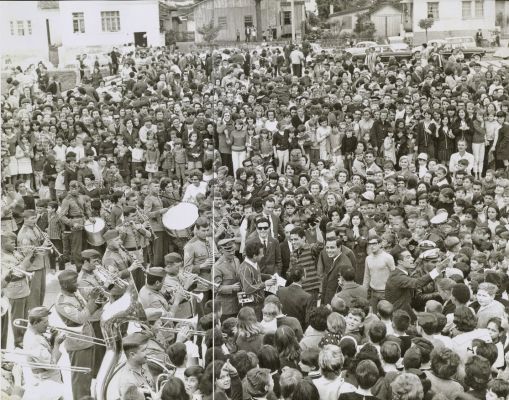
{"x":271,"y":261}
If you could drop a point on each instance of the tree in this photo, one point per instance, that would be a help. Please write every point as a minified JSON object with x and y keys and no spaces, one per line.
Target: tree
{"x":364,"y":27}
{"x":323,"y":6}
{"x":209,"y":31}
{"x":258,"y":8}
{"x":426,"y":24}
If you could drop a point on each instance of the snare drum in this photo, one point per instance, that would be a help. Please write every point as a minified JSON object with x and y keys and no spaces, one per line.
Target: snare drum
{"x":94,"y":231}
{"x":179,"y":220}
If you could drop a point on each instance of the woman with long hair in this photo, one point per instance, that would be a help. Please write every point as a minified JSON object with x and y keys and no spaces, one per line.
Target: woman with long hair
{"x":220,"y":381}
{"x":288,"y":347}
{"x":249,"y":331}
{"x":358,"y":242}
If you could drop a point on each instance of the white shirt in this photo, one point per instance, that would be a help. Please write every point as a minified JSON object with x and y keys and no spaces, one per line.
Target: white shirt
{"x":60,"y":152}
{"x":456,"y":157}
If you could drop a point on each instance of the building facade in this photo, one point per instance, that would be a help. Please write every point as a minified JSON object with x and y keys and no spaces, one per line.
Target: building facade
{"x":236,"y":15}
{"x":451,"y":17}
{"x":37,"y":28}
{"x":28,"y":30}
{"x":386,"y":18}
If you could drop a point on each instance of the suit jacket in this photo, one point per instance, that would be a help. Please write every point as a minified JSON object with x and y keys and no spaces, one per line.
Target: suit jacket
{"x":271,"y":262}
{"x":276,"y":227}
{"x":251,"y":281}
{"x":296,"y":303}
{"x":331,"y":275}
{"x":400,"y":288}
{"x":285,"y":256}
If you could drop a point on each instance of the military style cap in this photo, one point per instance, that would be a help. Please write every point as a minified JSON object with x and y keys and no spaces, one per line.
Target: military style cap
{"x":8,"y":235}
{"x":110,"y":235}
{"x":226,"y":242}
{"x":134,"y":339}
{"x":67,"y":276}
{"x":156,"y":271}
{"x":38,"y":312}
{"x":172,"y":258}
{"x":29,"y":213}
{"x":440,"y":218}
{"x":430,"y":255}
{"x":90,"y":253}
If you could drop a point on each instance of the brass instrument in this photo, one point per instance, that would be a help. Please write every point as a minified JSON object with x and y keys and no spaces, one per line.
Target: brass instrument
{"x":18,"y":271}
{"x":38,"y":365}
{"x":105,"y":276}
{"x":23,"y":324}
{"x":34,"y":248}
{"x":177,"y":330}
{"x":192,"y":321}
{"x":187,"y":294}
{"x":199,"y":279}
{"x":126,"y":308}
{"x":104,"y":296}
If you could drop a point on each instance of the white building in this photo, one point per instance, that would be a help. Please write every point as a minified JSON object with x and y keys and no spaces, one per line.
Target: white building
{"x":28,"y":30}
{"x":100,"y":25}
{"x":77,"y":27}
{"x":451,"y":17}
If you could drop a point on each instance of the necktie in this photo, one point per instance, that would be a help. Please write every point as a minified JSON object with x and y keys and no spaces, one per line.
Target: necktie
{"x":265,"y":246}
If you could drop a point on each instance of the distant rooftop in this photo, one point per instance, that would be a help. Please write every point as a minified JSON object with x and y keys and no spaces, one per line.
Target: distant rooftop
{"x":48,"y":5}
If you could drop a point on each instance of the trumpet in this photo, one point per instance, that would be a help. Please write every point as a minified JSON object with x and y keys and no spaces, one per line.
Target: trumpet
{"x":187,"y":294}
{"x":106,"y":276}
{"x":104,"y":296}
{"x":16,"y":270}
{"x":23,"y":324}
{"x":199,"y":279}
{"x":192,"y":321}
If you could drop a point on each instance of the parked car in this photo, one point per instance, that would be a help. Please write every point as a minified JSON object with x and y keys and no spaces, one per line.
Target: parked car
{"x":398,"y":43}
{"x":446,"y":46}
{"x":464,"y":42}
{"x":385,"y":51}
{"x":360,"y":48}
{"x":439,"y":42}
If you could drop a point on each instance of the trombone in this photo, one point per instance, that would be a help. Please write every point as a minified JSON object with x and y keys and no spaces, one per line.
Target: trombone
{"x":23,"y":324}
{"x":39,"y":365}
{"x":187,"y":294}
{"x":199,"y":279}
{"x":193,"y":332}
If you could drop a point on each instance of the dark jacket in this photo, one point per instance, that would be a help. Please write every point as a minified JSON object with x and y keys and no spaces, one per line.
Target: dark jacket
{"x":331,"y":274}
{"x":400,"y":290}
{"x":296,"y":303}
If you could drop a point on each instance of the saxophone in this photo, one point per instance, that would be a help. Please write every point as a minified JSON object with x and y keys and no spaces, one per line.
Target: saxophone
{"x":126,"y":308}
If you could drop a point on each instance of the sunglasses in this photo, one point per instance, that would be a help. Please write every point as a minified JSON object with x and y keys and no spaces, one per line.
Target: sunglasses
{"x":262,"y":228}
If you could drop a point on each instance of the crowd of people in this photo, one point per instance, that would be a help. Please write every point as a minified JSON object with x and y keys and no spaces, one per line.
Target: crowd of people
{"x":347,"y":236}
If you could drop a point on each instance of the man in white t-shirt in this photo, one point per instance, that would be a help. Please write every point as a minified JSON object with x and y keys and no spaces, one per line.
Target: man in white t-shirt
{"x":297,"y":59}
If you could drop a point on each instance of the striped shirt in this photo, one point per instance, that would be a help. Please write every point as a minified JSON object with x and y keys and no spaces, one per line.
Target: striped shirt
{"x":304,"y":259}
{"x":54,"y":227}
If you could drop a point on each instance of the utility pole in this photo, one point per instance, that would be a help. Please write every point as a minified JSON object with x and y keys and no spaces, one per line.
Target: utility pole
{"x":292,"y":7}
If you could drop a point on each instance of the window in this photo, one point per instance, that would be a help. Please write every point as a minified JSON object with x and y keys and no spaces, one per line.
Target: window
{"x":287,"y":17}
{"x":110,"y":21}
{"x":248,"y":20}
{"x":466,"y":9}
{"x":347,"y":22}
{"x":433,"y":10}
{"x":479,"y":8}
{"x":20,"y":28}
{"x":78,"y":22}
{"x":221,"y":21}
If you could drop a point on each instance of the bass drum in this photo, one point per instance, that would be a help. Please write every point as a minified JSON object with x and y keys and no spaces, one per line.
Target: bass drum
{"x":94,"y":231}
{"x":179,"y":220}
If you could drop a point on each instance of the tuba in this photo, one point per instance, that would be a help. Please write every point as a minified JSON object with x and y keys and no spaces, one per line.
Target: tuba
{"x":126,"y":308}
